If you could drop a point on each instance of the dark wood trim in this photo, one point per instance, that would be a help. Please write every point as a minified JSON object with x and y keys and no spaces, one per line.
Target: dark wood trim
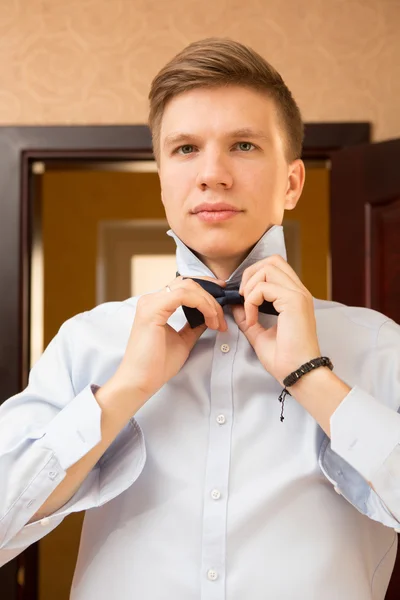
{"x":321,"y":139}
{"x":363,"y":178}
{"x":19,"y":146}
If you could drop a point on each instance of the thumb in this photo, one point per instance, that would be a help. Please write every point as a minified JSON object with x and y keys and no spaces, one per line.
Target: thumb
{"x":252,"y":332}
{"x":190,"y":336}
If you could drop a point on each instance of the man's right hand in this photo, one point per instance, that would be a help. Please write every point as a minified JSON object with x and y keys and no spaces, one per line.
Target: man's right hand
{"x":156,"y":351}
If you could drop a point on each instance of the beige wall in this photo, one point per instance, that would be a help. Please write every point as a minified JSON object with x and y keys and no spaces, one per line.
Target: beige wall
{"x":91,"y":61}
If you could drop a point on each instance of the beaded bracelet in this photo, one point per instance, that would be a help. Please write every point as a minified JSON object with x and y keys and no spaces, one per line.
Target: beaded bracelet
{"x":321,"y":361}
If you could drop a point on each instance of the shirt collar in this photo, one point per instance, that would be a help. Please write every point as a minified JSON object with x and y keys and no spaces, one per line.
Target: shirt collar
{"x":189,"y":265}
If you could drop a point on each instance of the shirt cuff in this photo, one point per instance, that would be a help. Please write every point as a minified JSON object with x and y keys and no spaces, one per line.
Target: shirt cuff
{"x":116,"y":471}
{"x":364,"y":432}
{"x":386,"y":485}
{"x":30,"y":500}
{"x":75,"y":430}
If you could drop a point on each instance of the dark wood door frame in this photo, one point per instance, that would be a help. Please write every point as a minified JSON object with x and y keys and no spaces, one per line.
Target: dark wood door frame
{"x":19,"y":147}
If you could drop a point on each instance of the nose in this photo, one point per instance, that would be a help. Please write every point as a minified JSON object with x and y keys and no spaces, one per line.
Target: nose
{"x":214,"y":172}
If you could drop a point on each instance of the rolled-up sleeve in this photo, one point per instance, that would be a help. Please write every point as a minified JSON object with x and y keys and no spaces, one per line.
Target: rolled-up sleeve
{"x":43,"y":431}
{"x":365,"y":428}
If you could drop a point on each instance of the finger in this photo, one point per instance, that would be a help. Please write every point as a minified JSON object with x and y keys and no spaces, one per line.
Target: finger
{"x":251,"y":312}
{"x":220,"y":282}
{"x":250,"y":331}
{"x":189,"y":283}
{"x":239,"y":316}
{"x":275,"y":260}
{"x":284,"y":266}
{"x":279,"y":296}
{"x":270,"y":274}
{"x":207,"y":305}
{"x":190,"y":336}
{"x":157,"y":308}
{"x":192,"y":295}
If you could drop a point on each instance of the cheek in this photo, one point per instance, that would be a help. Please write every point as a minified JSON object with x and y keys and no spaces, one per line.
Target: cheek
{"x":174,"y":193}
{"x":266,"y":187}
{"x":175,"y":179}
{"x":259,"y":182}
{"x":271,"y":180}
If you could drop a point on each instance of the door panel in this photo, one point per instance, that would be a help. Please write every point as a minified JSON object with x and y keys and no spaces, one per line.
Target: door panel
{"x":365,"y":227}
{"x":352,"y":247}
{"x":365,"y":238}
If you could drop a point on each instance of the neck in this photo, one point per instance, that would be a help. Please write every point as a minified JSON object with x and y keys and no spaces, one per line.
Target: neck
{"x":223,"y":267}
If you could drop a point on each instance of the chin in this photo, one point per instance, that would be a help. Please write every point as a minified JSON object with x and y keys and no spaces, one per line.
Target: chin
{"x":219,"y":249}
{"x":218,"y":242}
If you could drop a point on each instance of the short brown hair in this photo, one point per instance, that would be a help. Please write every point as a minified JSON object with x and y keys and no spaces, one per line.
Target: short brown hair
{"x":215,"y":62}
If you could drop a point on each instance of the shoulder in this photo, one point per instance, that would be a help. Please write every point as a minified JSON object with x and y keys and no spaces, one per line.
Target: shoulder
{"x":107,"y":319}
{"x":353,"y":317}
{"x":362,"y":339}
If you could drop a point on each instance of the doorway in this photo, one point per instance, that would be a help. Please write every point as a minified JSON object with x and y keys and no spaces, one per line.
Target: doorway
{"x":29,"y":156}
{"x":99,"y":235}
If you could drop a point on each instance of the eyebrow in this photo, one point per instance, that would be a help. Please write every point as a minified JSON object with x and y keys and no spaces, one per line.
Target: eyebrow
{"x":243,"y":132}
{"x":248,"y":132}
{"x":176,"y":138}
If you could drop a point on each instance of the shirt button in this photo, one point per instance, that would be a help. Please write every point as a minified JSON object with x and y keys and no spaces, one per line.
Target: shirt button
{"x":225,"y":348}
{"x":221,"y":419}
{"x":52,"y":474}
{"x":212,"y":575}
{"x":215,"y":494}
{"x":44,"y":522}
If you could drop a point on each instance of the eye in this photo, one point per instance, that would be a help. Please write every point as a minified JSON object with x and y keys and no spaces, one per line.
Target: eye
{"x":245,"y":146}
{"x":186,"y":149}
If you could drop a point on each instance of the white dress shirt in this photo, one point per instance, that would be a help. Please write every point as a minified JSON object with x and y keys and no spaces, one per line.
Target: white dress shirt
{"x":206,"y":494}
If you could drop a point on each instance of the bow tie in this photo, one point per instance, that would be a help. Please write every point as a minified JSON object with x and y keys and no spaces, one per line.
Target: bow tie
{"x":223,"y":297}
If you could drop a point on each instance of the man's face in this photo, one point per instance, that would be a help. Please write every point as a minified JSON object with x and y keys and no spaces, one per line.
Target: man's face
{"x":225,"y":145}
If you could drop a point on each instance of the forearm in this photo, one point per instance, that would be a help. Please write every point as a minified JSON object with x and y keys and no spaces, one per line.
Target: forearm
{"x":117,"y":407}
{"x":320,"y":392}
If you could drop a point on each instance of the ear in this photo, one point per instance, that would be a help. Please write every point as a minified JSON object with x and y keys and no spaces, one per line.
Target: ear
{"x":296,"y":179}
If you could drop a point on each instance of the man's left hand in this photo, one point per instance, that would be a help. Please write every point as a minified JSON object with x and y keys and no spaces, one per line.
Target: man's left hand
{"x":293,"y":341}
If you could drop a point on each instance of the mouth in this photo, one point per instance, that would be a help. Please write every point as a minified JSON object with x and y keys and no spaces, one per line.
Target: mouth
{"x":214,"y":216}
{"x":213,"y":213}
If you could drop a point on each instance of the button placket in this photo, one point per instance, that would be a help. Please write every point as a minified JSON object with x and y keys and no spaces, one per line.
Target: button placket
{"x":217,"y":468}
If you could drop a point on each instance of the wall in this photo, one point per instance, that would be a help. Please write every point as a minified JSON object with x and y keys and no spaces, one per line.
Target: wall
{"x":91,"y":61}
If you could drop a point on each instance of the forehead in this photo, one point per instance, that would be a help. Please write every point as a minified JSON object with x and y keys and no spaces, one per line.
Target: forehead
{"x":218,"y":109}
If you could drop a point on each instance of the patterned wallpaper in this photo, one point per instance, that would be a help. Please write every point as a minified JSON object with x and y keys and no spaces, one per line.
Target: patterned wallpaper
{"x":91,"y":61}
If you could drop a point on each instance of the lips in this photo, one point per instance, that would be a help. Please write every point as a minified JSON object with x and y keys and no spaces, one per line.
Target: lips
{"x":215,"y":207}
{"x":216,"y":212}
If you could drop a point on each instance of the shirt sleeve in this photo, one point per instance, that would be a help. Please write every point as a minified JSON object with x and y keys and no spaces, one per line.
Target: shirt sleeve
{"x":43,"y":431}
{"x":365,"y":429}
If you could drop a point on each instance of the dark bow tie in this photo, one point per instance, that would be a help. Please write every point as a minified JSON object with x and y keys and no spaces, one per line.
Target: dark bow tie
{"x":223,"y":297}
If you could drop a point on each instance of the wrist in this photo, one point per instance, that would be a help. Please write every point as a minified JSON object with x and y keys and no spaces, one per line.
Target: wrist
{"x":120,"y":400}
{"x":320,"y":392}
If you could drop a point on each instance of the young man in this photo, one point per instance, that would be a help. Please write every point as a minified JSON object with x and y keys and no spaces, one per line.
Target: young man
{"x":228,"y":501}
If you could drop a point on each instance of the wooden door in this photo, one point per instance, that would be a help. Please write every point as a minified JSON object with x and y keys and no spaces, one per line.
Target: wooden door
{"x":365,"y":238}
